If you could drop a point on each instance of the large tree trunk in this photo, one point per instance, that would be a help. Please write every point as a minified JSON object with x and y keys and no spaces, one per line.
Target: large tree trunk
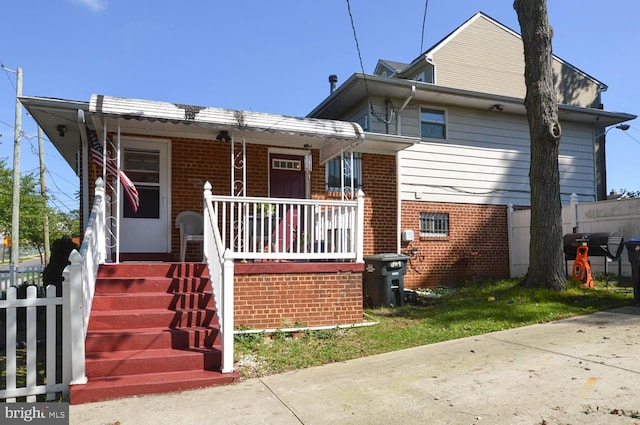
{"x":546,"y":268}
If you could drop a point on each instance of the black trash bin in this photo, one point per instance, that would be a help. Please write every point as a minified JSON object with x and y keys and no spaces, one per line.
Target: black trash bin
{"x":383,"y":281}
{"x":633,"y":250}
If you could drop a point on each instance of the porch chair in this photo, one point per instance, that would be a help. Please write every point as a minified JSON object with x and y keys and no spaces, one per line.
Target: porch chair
{"x":191,"y":227}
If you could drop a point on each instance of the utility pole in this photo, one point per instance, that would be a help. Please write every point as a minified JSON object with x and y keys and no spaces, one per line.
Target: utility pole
{"x":43,"y":192}
{"x":15,"y":214}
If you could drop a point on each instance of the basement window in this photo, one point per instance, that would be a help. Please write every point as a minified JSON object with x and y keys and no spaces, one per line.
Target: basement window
{"x":434,"y":224}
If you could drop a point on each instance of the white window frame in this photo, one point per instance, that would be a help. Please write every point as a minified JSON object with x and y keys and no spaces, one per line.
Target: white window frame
{"x":445,"y":114}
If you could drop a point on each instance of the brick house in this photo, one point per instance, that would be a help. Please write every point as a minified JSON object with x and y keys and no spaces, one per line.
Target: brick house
{"x":184,"y":154}
{"x":461,"y":104}
{"x":423,"y":158}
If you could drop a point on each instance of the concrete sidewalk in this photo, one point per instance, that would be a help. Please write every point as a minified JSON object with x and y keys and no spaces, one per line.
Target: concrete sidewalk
{"x":575,"y":371}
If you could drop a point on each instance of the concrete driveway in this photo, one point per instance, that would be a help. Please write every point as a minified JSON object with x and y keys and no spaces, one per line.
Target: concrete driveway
{"x":583,"y":370}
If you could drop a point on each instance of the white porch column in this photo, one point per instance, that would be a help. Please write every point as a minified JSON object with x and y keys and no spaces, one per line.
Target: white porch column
{"x":360,"y":228}
{"x":227,"y":311}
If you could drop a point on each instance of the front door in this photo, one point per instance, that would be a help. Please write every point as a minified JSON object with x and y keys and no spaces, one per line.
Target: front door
{"x":287,"y":176}
{"x":147,"y":229}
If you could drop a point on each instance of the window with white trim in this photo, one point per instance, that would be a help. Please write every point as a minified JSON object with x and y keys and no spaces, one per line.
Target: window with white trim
{"x":433,"y":123}
{"x":333,"y":172}
{"x":434,"y":224}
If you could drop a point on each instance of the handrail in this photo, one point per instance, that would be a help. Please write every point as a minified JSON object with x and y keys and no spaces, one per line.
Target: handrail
{"x":221,"y":273}
{"x":79,"y":287}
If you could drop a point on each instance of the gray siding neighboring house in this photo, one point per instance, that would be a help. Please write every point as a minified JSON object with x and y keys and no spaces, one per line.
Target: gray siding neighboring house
{"x":484,"y":157}
{"x":459,"y":110}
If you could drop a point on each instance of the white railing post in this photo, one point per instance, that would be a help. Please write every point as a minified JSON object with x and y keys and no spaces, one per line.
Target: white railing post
{"x":73,"y":321}
{"x":360,"y":228}
{"x":227,"y":309}
{"x":100,"y":221}
{"x":207,"y":220}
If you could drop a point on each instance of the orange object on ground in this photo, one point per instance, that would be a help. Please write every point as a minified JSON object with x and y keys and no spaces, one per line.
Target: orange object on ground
{"x":581,"y":267}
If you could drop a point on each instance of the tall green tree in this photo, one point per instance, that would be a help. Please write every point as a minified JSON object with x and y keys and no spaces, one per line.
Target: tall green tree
{"x":546,"y":268}
{"x":32,"y":210}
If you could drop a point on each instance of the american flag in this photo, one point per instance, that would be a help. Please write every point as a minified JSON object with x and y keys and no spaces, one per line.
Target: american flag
{"x":113,"y":171}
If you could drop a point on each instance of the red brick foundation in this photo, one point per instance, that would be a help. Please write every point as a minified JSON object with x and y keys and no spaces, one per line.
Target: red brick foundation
{"x":282,"y":295}
{"x":477,"y":246}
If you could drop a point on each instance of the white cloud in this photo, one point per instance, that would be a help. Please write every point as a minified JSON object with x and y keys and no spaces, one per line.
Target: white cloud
{"x":95,"y":5}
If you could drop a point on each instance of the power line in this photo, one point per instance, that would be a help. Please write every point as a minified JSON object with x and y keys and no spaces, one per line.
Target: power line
{"x":364,"y":74}
{"x":424,"y":21}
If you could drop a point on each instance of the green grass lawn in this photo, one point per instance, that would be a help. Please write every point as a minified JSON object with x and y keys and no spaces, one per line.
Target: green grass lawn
{"x":470,"y":310}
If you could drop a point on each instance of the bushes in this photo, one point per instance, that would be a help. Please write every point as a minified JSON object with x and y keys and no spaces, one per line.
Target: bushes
{"x":60,"y":250}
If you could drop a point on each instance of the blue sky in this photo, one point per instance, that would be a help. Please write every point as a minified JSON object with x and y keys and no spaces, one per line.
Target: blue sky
{"x":273,"y":56}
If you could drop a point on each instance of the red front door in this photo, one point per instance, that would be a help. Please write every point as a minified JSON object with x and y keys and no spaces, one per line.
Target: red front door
{"x":287,"y":176}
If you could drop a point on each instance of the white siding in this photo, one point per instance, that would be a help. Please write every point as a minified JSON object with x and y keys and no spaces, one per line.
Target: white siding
{"x":485,"y":160}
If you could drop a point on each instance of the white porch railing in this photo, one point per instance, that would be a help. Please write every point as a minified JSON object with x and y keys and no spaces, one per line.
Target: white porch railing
{"x":256,"y":228}
{"x":79,"y":287}
{"x":273,"y":229}
{"x":220,"y":263}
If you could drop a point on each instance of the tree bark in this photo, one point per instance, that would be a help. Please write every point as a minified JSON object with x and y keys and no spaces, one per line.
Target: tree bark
{"x":546,"y":268}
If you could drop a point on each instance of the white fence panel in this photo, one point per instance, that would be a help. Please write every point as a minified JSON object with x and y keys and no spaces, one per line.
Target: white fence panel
{"x":622,"y":216}
{"x":15,"y":276}
{"x":28,"y":347}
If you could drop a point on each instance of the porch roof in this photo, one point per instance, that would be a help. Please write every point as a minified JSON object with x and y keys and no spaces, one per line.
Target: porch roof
{"x":165,"y":119}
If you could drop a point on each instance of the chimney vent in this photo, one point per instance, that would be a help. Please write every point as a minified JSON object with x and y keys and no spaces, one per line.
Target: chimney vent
{"x":333,"y":79}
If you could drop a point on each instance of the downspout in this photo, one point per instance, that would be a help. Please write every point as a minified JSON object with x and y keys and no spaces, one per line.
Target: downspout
{"x":399,"y":113}
{"x":398,"y":185}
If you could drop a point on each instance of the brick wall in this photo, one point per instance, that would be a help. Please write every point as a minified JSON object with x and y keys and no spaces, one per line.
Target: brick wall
{"x":196,"y":161}
{"x":265,"y":299}
{"x":379,"y":183}
{"x":476,"y":248}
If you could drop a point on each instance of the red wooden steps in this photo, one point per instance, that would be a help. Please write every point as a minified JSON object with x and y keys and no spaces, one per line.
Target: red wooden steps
{"x":153,"y":329}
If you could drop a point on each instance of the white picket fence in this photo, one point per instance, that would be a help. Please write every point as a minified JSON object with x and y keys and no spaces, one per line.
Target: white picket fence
{"x":15,"y":276}
{"x":21,"y":350}
{"x":622,"y":216}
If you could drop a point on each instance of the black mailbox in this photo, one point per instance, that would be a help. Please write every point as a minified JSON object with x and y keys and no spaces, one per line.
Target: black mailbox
{"x":383,"y":280}
{"x":601,"y":244}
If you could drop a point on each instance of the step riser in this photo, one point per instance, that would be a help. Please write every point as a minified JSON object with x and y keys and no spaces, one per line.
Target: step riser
{"x":80,"y":394}
{"x":138,"y":301}
{"x":181,"y":361}
{"x":139,"y":319}
{"x":152,"y":269}
{"x":123,"y":342}
{"x":174,"y":338}
{"x":118,"y":285}
{"x":203,"y":338}
{"x":133,"y":302}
